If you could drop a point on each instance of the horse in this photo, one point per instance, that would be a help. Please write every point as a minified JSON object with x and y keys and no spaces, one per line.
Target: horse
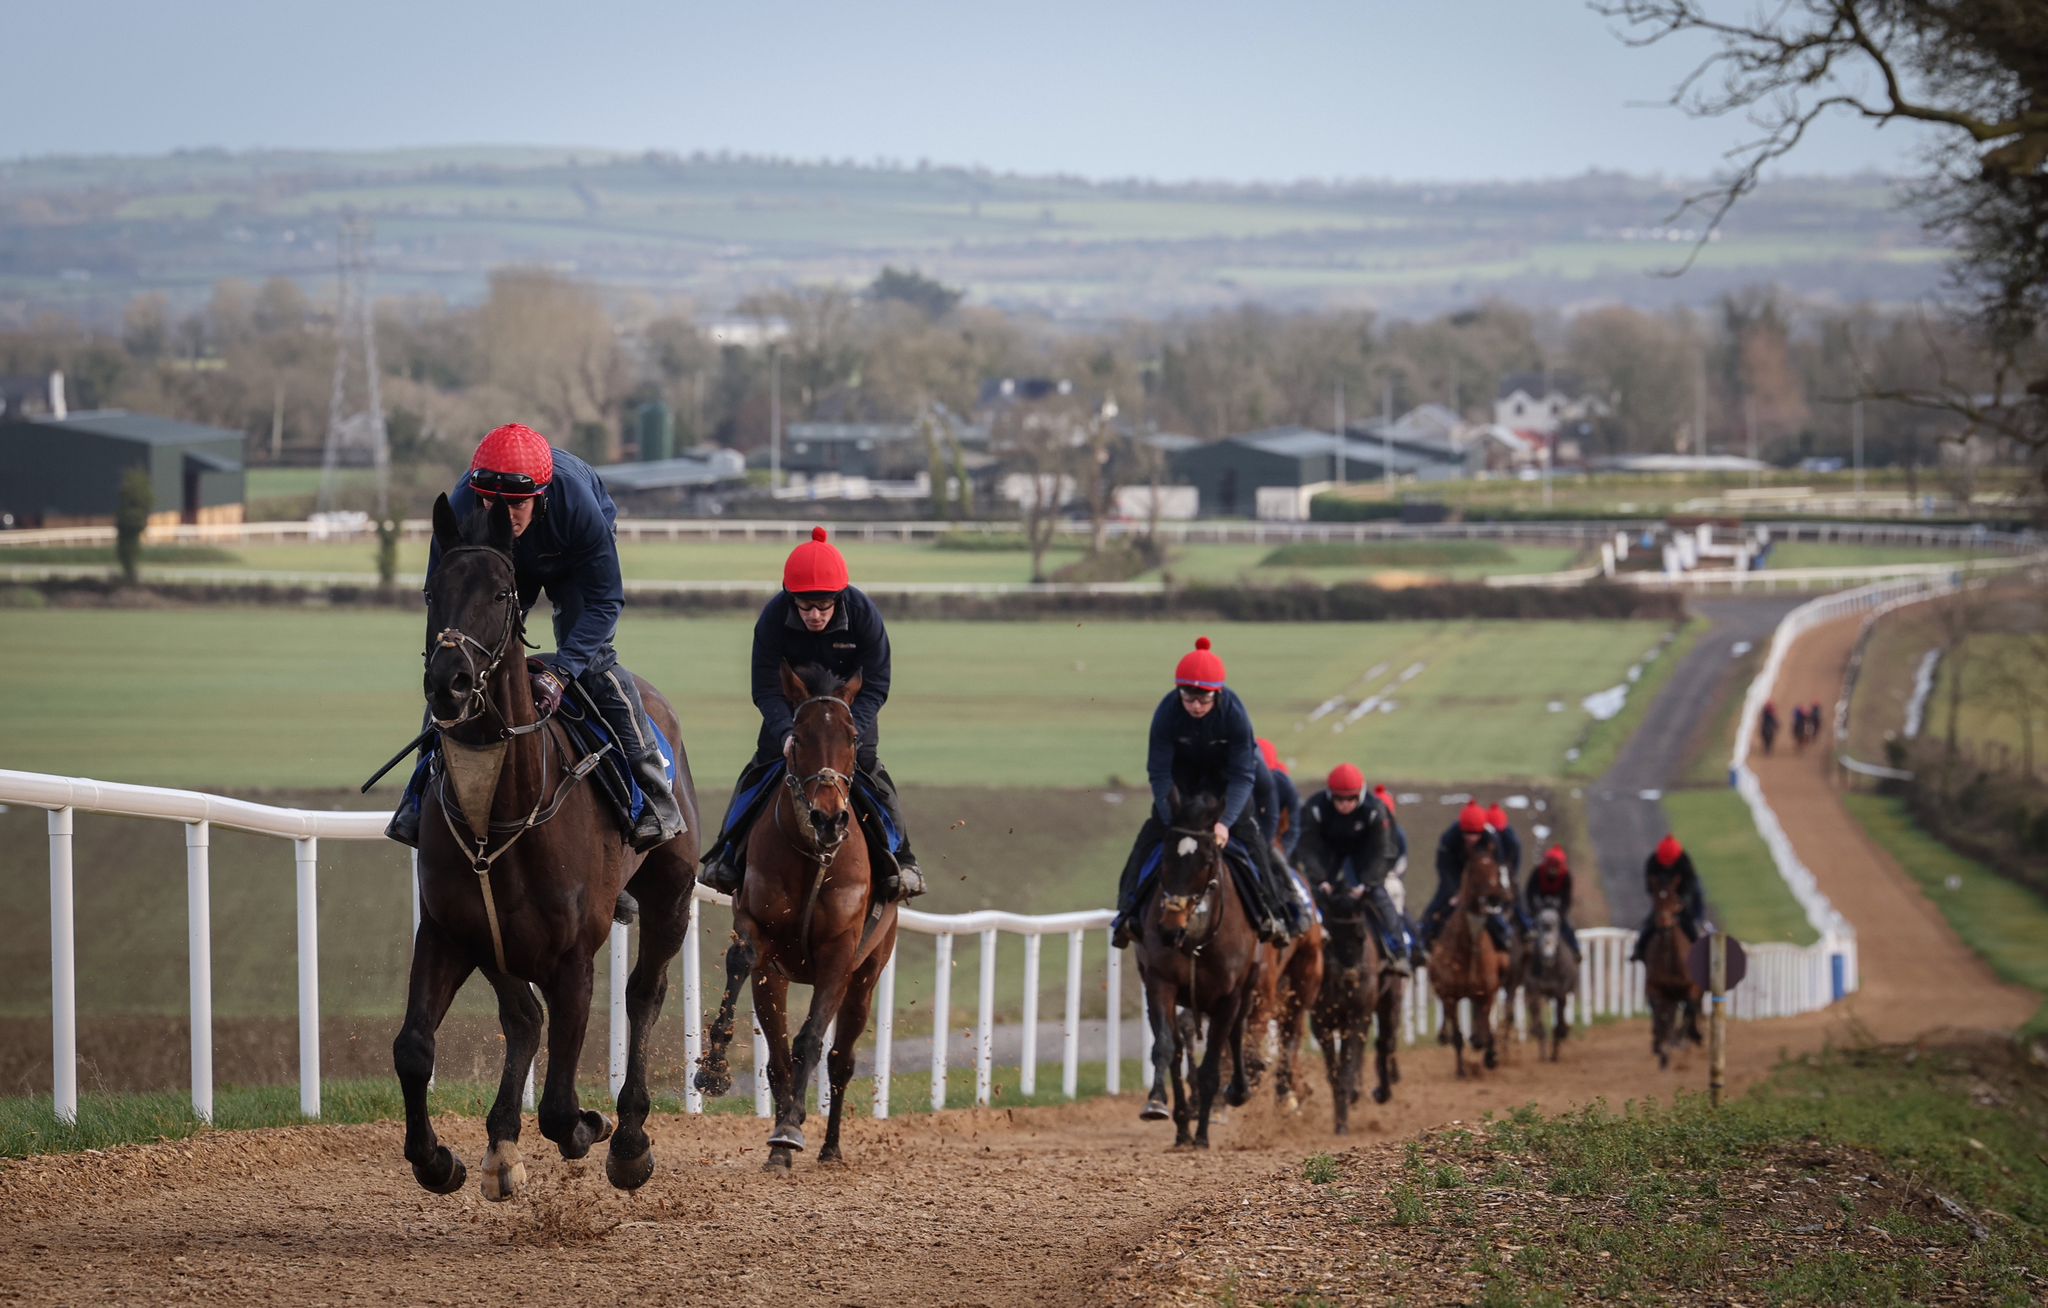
{"x":808,"y":913}
{"x":1198,"y":958}
{"x":1551,"y":976}
{"x":520,"y":867}
{"x":1673,"y":998}
{"x":1466,"y":964}
{"x":1344,"y":1010}
{"x":1289,"y":979}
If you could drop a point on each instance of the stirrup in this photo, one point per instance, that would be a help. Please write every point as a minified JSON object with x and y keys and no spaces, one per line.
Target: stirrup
{"x":1120,"y":931}
{"x":722,"y":874}
{"x":1398,"y":963}
{"x":909,"y":882}
{"x":627,"y":910}
{"x":404,"y":826}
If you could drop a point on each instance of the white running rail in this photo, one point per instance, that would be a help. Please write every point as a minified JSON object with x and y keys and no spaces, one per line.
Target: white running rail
{"x":1784,"y":980}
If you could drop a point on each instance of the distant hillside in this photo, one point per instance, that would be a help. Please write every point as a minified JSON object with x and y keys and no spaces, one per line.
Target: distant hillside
{"x":86,"y":234}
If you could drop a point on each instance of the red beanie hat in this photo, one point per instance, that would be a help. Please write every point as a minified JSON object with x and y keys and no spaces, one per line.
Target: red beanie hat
{"x":815,"y":566}
{"x":1271,"y":755}
{"x":512,"y":461}
{"x":1497,"y":818}
{"x":1668,"y":850}
{"x":1472,"y":819}
{"x":1380,"y":793}
{"x":1346,"y":780}
{"x":1201,"y":669}
{"x":1555,"y":854}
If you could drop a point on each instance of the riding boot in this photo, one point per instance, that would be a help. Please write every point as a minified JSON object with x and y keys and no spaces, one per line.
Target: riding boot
{"x":404,"y":826}
{"x":1497,"y":927}
{"x":725,"y":862}
{"x":1278,"y":919}
{"x":1381,"y":905}
{"x":617,"y":696}
{"x":1641,"y":952}
{"x":1124,"y":926}
{"x":907,"y":880}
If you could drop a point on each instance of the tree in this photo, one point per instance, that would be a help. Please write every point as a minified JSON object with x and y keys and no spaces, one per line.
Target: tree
{"x":1972,"y":69}
{"x":549,"y":342}
{"x":131,"y":518}
{"x":1037,"y":440}
{"x":929,"y":297}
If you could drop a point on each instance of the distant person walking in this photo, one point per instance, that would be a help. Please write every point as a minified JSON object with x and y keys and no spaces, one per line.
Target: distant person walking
{"x":1767,"y":725}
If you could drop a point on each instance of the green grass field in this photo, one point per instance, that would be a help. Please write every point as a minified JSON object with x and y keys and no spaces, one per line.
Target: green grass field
{"x":1745,"y":894}
{"x":2000,"y":919}
{"x":1810,"y":554}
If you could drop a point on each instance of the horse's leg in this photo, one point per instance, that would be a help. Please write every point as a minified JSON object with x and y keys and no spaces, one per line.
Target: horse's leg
{"x":714,"y":1073}
{"x":1240,"y":1092}
{"x":1354,"y":1057}
{"x":835,"y":973}
{"x":1383,"y":1044}
{"x":519,"y":1013}
{"x":1486,"y":1028}
{"x":664,"y":921}
{"x":1454,"y":1027}
{"x":438,"y":971}
{"x":1326,"y":1036}
{"x":573,"y":1128}
{"x":1183,"y":1045}
{"x":847,"y":1027}
{"x":1222,"y":1024}
{"x":771,"y":1010}
{"x":1159,"y":1012}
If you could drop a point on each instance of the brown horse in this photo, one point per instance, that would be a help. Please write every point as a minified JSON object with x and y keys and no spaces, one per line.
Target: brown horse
{"x":1198,"y":959}
{"x":807,"y":912}
{"x":1352,"y":985}
{"x":1674,"y":999}
{"x":1466,"y":964}
{"x":520,"y":867}
{"x":1289,"y":979}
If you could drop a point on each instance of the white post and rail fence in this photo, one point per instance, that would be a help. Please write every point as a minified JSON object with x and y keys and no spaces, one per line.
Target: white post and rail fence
{"x":1785,"y":979}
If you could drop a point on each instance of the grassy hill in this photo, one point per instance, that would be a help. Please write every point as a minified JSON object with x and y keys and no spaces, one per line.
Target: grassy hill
{"x":86,"y":233}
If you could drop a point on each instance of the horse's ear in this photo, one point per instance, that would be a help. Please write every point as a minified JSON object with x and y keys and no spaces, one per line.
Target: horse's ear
{"x":501,"y":526}
{"x":848,"y":691}
{"x":447,"y":532}
{"x":793,"y":688}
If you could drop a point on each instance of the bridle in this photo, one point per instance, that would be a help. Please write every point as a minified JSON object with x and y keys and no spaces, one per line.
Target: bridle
{"x":478,"y":700}
{"x":1187,"y":903}
{"x":800,"y":788}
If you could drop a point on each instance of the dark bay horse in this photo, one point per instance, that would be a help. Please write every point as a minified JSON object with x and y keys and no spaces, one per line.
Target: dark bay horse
{"x":807,"y":912}
{"x":1552,"y":979}
{"x":1344,"y":1010}
{"x":520,"y":866}
{"x":1674,"y":999}
{"x":1290,"y":977}
{"x":1466,"y":964}
{"x":1198,"y":960}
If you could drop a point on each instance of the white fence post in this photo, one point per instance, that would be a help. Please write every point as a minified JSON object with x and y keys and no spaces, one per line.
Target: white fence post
{"x":693,"y":1006}
{"x":63,"y":972}
{"x":309,"y":974}
{"x":764,"y":1102}
{"x":942,"y":1004}
{"x":985,"y":1021}
{"x":199,"y":964}
{"x":1113,"y":1044}
{"x":1070,"y":1038}
{"x":885,"y":1035}
{"x":617,"y":977}
{"x":1027,"y":1066}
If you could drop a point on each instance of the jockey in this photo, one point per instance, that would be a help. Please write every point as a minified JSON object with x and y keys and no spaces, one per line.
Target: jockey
{"x":1202,"y":742}
{"x":1453,"y":850}
{"x":1550,"y":885}
{"x":818,"y":618}
{"x":1670,"y":863}
{"x":1346,"y":850}
{"x":1285,"y":800}
{"x":563,"y":543}
{"x":1510,"y":861}
{"x":1397,"y":871}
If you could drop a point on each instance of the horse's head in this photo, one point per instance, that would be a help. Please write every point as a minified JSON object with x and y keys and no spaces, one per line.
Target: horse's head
{"x":1549,"y":933}
{"x":822,"y":750}
{"x":1482,"y":877}
{"x":1188,"y":867}
{"x":472,"y":609}
{"x":1665,"y":904}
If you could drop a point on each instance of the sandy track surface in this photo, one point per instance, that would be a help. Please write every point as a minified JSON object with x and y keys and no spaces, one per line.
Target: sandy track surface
{"x":988,"y":1207}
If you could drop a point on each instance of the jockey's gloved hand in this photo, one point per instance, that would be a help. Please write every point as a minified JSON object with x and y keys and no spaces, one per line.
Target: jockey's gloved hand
{"x":1222,"y":836}
{"x":547,"y":689}
{"x":1328,"y":891}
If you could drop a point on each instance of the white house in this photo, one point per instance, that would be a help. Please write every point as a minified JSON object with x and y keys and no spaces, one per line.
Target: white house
{"x":1544,"y":401}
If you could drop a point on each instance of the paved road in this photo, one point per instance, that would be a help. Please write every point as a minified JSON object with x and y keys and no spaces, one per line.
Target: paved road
{"x":1626,"y":825}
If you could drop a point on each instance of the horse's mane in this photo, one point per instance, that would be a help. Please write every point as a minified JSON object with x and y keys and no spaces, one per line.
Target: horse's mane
{"x":474,"y":527}
{"x":820,"y":680}
{"x":1198,"y":812}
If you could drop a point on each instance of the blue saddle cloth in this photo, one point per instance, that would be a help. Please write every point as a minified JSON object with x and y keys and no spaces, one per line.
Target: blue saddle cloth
{"x":591,"y":734}
{"x":874,"y":814}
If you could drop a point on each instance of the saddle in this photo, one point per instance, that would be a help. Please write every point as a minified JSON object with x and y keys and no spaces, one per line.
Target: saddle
{"x":612,"y":775}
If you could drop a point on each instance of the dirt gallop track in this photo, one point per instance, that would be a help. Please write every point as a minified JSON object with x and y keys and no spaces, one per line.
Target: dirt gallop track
{"x":1040,"y":1206}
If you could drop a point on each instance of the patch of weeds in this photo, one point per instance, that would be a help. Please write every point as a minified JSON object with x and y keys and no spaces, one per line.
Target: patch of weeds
{"x":1448,"y":1177}
{"x":1841,"y":1276}
{"x":1319,"y":1169}
{"x":1506,"y":1176}
{"x":1409,"y":1209}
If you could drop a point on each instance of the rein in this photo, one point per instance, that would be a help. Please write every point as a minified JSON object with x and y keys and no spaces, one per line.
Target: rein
{"x":478,"y":701}
{"x":819,"y":853}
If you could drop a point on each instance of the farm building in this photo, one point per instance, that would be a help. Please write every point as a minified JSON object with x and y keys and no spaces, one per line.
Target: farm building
{"x":1230,"y":473}
{"x":57,"y":472}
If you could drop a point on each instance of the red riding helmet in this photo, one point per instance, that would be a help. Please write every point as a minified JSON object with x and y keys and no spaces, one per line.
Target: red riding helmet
{"x":1346,"y":782}
{"x":1669,"y":850}
{"x":1268,"y":752}
{"x":1497,"y":818}
{"x":1200,"y":669}
{"x":815,"y":567}
{"x":1472,"y":819}
{"x":512,"y":462}
{"x":1380,"y":793}
{"x":1555,"y":856}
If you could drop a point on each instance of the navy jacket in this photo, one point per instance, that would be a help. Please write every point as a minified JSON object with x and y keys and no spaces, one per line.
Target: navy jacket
{"x":1289,"y":800}
{"x":854,"y":641}
{"x":1216,"y":754}
{"x":1450,"y":856}
{"x":1530,"y":893}
{"x":569,"y":551}
{"x":1364,"y":836}
{"x":1656,"y":874}
{"x":1510,"y":850}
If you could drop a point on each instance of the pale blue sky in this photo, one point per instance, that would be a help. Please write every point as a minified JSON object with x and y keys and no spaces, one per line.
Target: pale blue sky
{"x":1403,"y":89}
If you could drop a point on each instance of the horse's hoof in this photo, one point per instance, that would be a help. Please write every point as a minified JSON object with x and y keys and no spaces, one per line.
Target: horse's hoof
{"x":629,"y":1173}
{"x":1290,"y":1105}
{"x":445,"y":1175}
{"x":829,"y":1156}
{"x":786,"y":1137}
{"x":600,"y":1126}
{"x":1492,"y":1060}
{"x":504,"y":1172}
{"x":713,"y":1083}
{"x":1237,"y":1096}
{"x":779,"y":1160}
{"x":1380,"y":1094}
{"x":1201,"y":1142}
{"x":1342,"y":1129}
{"x":1155,"y":1110}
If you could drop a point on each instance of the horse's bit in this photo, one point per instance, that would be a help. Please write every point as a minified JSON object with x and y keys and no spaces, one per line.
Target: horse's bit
{"x":478,"y":699}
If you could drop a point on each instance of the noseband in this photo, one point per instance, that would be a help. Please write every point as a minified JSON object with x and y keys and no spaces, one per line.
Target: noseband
{"x":478,"y":699}
{"x":800,"y":789}
{"x":1189,"y":902}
